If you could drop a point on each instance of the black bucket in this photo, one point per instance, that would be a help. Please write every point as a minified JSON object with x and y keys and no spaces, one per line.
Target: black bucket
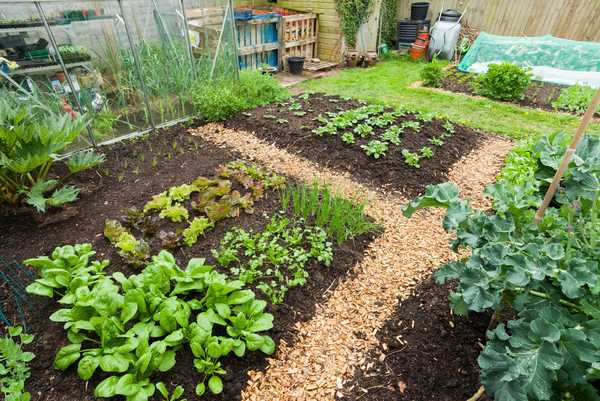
{"x":295,"y":64}
{"x":419,"y":10}
{"x":450,"y":15}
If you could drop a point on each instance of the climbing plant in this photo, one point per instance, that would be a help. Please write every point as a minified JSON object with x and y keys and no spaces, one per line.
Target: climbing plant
{"x":353,"y":14}
{"x":388,"y":21}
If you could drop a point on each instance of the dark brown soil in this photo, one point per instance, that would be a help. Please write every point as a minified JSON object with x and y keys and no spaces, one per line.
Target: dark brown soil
{"x":131,"y":174}
{"x":282,"y":127}
{"x":539,"y":95}
{"x":429,"y":354}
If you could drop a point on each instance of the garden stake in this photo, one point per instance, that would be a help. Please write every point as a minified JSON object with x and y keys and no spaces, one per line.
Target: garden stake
{"x":579,"y":133}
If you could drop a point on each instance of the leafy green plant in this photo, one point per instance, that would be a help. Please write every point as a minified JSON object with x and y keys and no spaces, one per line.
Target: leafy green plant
{"x":575,"y":99}
{"x":432,"y":74}
{"x":449,"y":128}
{"x":392,"y":135}
{"x":546,"y":275}
{"x":436,"y":141}
{"x":176,"y":396}
{"x":29,"y":144}
{"x":341,"y":218}
{"x":299,"y":113}
{"x":275,"y":258}
{"x":132,"y":327}
{"x":158,"y":202}
{"x":14,"y":370}
{"x":383,"y":120}
{"x":196,"y":228}
{"x":221,"y":98}
{"x":176,"y":213}
{"x":363,"y":130}
{"x":410,"y":158}
{"x":415,"y":126}
{"x":182,"y":192}
{"x":426,"y":152}
{"x":348,"y":138}
{"x":133,"y":251}
{"x":375,"y":148}
{"x":505,"y":81}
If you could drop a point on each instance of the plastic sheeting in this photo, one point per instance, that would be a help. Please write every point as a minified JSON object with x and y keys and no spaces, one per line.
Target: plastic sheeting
{"x":551,"y":59}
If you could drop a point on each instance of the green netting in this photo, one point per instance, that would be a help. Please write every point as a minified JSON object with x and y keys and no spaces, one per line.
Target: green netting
{"x":542,"y":51}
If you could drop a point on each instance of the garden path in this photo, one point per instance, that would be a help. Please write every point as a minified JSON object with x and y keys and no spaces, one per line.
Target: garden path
{"x":336,"y":341}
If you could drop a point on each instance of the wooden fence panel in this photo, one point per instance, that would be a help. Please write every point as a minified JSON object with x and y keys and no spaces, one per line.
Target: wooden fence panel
{"x":569,"y":19}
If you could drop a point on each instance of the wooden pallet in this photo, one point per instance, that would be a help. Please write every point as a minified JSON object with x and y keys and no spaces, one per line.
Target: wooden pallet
{"x":318,"y":66}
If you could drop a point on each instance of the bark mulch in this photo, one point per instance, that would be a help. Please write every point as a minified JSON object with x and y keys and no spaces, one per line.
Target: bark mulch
{"x":336,"y":343}
{"x":282,"y":126}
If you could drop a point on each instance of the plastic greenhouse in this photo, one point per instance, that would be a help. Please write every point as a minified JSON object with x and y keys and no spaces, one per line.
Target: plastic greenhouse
{"x":551,"y":59}
{"x":127,"y":64}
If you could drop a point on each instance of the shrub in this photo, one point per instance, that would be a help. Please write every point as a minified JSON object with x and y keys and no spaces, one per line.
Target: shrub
{"x":29,"y":144}
{"x":504,"y":81}
{"x":575,"y":99}
{"x":432,"y":74}
{"x":220,"y":99}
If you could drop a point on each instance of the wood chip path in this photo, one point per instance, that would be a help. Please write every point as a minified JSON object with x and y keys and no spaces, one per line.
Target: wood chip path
{"x":336,"y":341}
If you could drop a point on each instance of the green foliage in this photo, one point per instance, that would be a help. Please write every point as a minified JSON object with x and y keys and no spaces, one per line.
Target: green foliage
{"x":576,"y":99}
{"x":410,"y":158}
{"x":363,"y":130}
{"x":182,"y":192}
{"x":504,"y":81}
{"x":341,"y":218}
{"x":436,"y":141}
{"x":133,"y":251}
{"x":415,"y":126}
{"x":132,"y":327}
{"x":353,"y":14}
{"x":14,"y":369}
{"x":29,"y":144}
{"x":176,"y":396}
{"x":426,"y":152}
{"x":432,"y":74}
{"x":389,"y":10}
{"x":221,"y":98}
{"x":275,"y":258}
{"x":348,"y":138}
{"x":37,"y":197}
{"x":449,"y":127}
{"x":158,"y":202}
{"x":375,"y":148}
{"x":546,"y":275}
{"x":176,"y":213}
{"x":84,"y":160}
{"x":196,"y":228}
{"x":392,"y":135}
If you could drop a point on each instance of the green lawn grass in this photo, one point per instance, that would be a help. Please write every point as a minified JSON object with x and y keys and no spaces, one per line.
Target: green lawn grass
{"x":389,"y":82}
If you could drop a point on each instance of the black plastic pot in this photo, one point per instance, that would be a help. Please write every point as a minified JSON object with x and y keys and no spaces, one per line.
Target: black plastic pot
{"x":419,"y":10}
{"x":295,"y":65}
{"x":450,"y":15}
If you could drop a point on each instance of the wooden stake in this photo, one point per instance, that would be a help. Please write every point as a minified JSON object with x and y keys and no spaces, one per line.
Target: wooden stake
{"x":480,"y":392}
{"x":579,"y":133}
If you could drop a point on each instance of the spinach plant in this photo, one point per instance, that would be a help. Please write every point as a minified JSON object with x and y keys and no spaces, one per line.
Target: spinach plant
{"x":132,"y":327}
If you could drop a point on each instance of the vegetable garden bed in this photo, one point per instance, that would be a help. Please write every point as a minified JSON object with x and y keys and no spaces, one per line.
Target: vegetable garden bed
{"x":539,"y":95}
{"x":364,"y":140}
{"x":130,"y":177}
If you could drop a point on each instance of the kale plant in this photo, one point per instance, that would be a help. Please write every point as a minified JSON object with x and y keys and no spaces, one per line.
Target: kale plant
{"x":545,"y":276}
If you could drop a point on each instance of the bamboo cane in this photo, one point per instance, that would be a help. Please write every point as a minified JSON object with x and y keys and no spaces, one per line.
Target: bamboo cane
{"x":579,"y":133}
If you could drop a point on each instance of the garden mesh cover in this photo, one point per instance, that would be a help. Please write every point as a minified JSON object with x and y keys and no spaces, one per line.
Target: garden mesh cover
{"x":551,"y":59}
